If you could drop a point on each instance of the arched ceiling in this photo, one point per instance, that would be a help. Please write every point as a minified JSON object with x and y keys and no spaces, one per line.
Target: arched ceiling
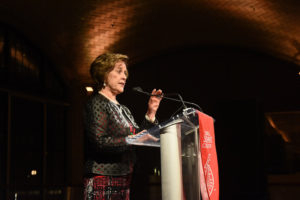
{"x":72,"y":32}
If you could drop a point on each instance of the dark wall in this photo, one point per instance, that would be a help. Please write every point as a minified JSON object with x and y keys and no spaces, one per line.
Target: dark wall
{"x":209,"y":75}
{"x":32,"y":122}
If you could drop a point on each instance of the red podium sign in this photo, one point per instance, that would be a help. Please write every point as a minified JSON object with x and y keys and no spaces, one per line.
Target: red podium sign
{"x":209,"y":173}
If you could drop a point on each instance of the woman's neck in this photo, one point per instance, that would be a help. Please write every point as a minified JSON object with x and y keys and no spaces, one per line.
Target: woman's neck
{"x":108,"y":94}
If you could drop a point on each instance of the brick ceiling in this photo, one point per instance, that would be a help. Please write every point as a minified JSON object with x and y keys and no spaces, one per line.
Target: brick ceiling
{"x":73,"y":32}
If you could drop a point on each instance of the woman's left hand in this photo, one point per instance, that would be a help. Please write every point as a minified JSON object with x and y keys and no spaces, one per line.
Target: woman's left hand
{"x":153,"y":103}
{"x":143,"y":137}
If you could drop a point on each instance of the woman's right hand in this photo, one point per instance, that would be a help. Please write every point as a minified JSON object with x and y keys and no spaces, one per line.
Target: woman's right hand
{"x":153,"y":103}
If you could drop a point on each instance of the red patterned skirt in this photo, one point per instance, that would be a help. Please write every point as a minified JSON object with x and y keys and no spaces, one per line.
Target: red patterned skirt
{"x":107,"y":188}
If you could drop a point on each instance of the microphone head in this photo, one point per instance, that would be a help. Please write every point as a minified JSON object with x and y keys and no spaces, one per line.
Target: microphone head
{"x":137,"y":89}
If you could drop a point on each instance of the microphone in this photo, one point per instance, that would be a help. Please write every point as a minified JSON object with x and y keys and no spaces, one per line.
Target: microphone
{"x":140,"y":90}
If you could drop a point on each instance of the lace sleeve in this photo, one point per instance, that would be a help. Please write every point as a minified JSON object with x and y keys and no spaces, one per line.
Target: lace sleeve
{"x":105,"y":129}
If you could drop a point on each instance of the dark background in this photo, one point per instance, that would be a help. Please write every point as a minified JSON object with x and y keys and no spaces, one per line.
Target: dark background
{"x":238,"y":60}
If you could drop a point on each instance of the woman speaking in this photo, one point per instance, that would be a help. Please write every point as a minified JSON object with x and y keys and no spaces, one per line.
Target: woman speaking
{"x":109,"y":159}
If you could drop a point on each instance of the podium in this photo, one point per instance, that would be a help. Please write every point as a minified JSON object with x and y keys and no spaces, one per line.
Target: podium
{"x":178,"y":139}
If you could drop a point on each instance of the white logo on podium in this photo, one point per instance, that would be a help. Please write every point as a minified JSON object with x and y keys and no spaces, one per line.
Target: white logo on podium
{"x":207,"y":143}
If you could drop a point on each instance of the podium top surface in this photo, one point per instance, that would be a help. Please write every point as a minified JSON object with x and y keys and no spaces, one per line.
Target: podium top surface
{"x":188,"y":121}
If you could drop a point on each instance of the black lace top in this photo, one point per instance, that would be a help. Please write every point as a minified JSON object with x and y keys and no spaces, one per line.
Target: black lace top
{"x":106,"y":126}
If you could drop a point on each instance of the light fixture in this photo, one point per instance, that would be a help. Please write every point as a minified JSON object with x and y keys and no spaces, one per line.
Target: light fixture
{"x":89,"y":89}
{"x":33,"y":172}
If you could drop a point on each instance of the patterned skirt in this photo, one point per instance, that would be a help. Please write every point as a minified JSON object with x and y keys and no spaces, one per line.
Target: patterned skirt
{"x":107,"y":188}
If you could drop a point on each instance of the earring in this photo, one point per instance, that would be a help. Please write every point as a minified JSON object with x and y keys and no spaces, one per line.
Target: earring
{"x":104,"y":84}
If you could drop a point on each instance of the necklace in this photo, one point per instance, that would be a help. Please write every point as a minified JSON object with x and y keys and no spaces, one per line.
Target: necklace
{"x":121,"y":111}
{"x":112,"y":100}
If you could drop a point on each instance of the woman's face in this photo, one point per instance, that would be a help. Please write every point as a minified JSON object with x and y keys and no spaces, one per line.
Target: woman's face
{"x":116,"y":79}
